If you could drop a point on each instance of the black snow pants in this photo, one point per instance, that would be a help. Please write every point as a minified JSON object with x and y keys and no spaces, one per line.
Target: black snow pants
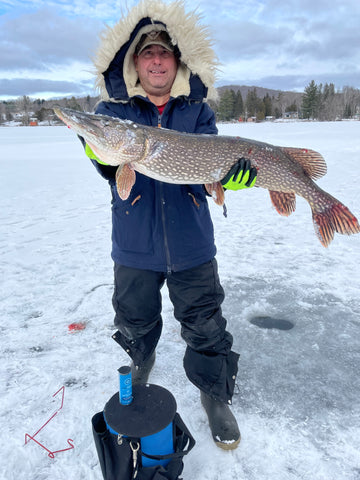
{"x":196,"y":295}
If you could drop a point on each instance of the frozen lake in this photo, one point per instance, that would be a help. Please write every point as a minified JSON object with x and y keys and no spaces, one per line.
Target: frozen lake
{"x":297,"y":394}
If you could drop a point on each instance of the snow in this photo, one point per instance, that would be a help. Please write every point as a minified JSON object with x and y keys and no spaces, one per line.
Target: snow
{"x":297,"y":393}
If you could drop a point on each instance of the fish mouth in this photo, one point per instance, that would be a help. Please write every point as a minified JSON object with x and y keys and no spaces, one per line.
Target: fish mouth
{"x":89,"y":126}
{"x":107,"y":137}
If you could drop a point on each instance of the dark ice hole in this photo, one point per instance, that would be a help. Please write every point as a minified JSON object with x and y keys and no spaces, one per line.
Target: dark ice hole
{"x":270,"y":322}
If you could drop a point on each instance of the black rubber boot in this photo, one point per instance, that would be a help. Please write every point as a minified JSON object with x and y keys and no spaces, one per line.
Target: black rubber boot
{"x":223,"y":424}
{"x":141,"y":374}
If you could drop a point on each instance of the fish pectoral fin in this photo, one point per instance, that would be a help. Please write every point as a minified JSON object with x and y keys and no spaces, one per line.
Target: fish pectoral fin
{"x":312,"y":162}
{"x":125,"y":178}
{"x":216,"y":191}
{"x":285,"y":203}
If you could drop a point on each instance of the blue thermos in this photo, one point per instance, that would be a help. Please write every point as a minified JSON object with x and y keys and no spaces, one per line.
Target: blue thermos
{"x":144,"y":411}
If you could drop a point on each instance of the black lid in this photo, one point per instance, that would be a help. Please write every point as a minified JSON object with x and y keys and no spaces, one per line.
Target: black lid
{"x":151,"y":410}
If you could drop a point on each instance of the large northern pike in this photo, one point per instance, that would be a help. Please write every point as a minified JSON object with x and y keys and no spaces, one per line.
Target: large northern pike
{"x":184,"y":158}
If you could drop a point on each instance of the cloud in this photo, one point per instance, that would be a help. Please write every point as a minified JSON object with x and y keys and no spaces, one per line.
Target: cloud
{"x":293,"y":82}
{"x":296,"y":39}
{"x":245,"y":40}
{"x":281,"y":45}
{"x":37,"y":40}
{"x":18,"y":87}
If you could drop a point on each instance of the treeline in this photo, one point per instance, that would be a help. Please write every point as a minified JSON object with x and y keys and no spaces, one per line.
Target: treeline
{"x":317,"y":102}
{"x":232,"y":106}
{"x":25,"y":110}
{"x":321,"y":102}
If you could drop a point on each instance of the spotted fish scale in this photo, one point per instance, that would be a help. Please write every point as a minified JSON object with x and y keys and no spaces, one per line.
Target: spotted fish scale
{"x":183,"y":158}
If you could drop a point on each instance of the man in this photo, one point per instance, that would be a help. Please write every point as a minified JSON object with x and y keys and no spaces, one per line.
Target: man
{"x":156,"y":67}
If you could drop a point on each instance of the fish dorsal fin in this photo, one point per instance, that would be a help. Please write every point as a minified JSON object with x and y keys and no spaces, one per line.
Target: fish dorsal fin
{"x":216,"y":191}
{"x":284,"y":203}
{"x":125,"y":179}
{"x":312,"y":162}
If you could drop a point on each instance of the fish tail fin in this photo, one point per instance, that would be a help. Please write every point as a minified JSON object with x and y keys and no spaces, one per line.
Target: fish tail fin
{"x":335,"y":218}
{"x":284,"y":202}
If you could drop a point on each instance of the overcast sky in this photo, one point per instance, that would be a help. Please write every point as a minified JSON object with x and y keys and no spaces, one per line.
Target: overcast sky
{"x":46,"y":46}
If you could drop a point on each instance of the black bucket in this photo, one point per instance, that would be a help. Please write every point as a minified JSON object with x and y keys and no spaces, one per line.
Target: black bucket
{"x":149,"y":417}
{"x":145,"y":439}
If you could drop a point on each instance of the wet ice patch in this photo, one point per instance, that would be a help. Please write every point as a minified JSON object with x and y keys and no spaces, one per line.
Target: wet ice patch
{"x":271,"y":322}
{"x":72,"y":382}
{"x":37,"y":349}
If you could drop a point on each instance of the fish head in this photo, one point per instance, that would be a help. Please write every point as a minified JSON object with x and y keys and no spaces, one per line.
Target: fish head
{"x":114,"y":141}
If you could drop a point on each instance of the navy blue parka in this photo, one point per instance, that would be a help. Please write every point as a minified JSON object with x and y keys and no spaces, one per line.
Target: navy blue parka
{"x":161,"y":226}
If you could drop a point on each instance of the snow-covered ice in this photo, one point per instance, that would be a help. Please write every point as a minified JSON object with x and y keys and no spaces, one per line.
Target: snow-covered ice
{"x":297,"y":397}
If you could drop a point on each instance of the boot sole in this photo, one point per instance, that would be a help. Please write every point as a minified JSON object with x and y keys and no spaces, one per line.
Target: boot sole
{"x":228,"y":446}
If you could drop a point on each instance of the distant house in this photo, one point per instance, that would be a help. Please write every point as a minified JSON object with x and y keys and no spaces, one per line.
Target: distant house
{"x":33,"y":123}
{"x":292,"y":115}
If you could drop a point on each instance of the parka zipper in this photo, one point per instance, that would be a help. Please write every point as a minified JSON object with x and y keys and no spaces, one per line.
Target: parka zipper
{"x":163,"y":218}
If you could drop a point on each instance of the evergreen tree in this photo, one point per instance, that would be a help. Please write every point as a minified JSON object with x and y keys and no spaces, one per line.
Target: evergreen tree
{"x":311,"y":100}
{"x":279,"y":105}
{"x":329,"y":91}
{"x":74,"y":104}
{"x":277,"y":112}
{"x":291,"y":108}
{"x":251,"y":103}
{"x":348,"y":111}
{"x":239,"y":106}
{"x":254,"y":105}
{"x":268,"y":105}
{"x":226,"y":110}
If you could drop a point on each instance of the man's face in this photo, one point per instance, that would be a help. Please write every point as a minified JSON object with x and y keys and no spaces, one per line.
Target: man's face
{"x":156,"y":67}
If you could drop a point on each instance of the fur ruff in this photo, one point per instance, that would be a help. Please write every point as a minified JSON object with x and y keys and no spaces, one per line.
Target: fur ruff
{"x":185,"y":31}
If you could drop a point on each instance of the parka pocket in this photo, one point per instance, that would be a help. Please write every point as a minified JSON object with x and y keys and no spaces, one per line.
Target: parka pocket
{"x":133,"y":224}
{"x":195,"y":226}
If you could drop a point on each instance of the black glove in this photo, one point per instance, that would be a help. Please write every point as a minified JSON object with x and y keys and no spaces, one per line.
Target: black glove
{"x":241,"y":175}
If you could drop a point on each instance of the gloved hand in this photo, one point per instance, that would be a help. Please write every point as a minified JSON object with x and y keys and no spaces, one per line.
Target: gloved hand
{"x":92,"y":155}
{"x":241,"y":175}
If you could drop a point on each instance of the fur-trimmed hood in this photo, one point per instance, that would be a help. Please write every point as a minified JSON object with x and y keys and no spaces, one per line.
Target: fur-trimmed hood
{"x":116,"y":77}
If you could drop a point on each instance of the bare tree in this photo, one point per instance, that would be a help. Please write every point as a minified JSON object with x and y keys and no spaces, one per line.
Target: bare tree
{"x":351,"y":101}
{"x":24,"y":106}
